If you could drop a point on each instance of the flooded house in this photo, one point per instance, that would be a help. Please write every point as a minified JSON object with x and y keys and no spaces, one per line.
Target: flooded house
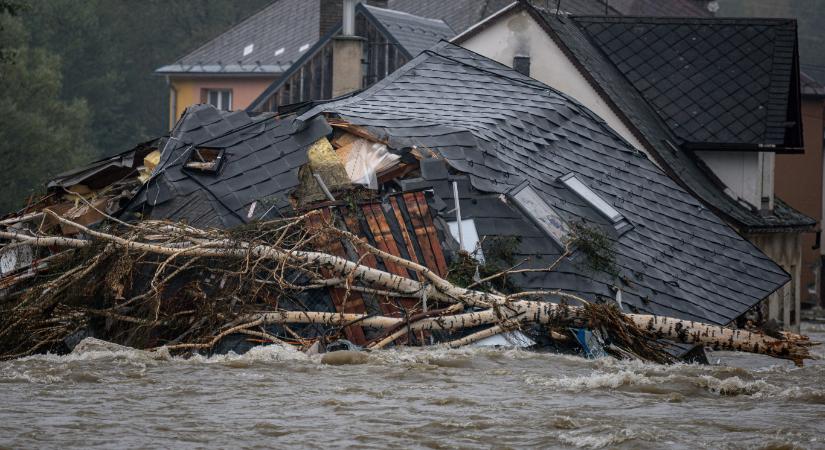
{"x":712,"y":101}
{"x":453,"y":154}
{"x":453,"y":170}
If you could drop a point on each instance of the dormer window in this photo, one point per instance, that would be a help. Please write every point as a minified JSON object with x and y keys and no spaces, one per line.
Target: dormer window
{"x":599,"y":204}
{"x":205,"y":159}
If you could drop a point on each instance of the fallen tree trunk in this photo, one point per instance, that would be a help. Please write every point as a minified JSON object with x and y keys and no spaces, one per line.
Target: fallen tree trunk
{"x":501,"y":312}
{"x":676,"y":330}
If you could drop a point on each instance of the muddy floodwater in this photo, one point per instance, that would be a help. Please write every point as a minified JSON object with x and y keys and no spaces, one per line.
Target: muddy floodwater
{"x":468,"y":398}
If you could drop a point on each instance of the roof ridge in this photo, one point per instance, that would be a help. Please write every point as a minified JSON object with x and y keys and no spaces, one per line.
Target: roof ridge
{"x":403,"y":13}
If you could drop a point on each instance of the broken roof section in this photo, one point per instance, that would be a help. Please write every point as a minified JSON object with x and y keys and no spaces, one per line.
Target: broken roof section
{"x":503,"y":129}
{"x":223,"y":169}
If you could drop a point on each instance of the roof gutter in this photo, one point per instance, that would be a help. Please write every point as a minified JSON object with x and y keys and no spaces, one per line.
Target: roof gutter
{"x":741,"y":147}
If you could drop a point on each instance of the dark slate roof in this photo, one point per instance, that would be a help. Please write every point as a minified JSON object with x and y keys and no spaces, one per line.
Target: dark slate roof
{"x":285,"y":24}
{"x":811,"y":87}
{"x":659,"y":8}
{"x":413,"y":33}
{"x":261,"y":161}
{"x":719,"y":81}
{"x":458,"y":14}
{"x":502,"y":128}
{"x":653,"y":8}
{"x":681,"y":164}
{"x":293,"y":24}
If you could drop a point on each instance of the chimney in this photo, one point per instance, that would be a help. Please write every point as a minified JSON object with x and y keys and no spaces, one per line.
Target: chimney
{"x":521,"y":64}
{"x":329,"y":15}
{"x":347,"y":53}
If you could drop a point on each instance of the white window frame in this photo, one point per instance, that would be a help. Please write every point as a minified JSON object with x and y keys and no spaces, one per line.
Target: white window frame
{"x":543,"y":214}
{"x":221,"y":96}
{"x":594,"y":200}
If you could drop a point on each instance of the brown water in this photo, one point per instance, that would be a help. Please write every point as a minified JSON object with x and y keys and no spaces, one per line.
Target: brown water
{"x":468,"y":398}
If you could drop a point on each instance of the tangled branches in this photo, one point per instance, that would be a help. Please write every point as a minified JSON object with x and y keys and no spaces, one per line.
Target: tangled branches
{"x":156,"y":283}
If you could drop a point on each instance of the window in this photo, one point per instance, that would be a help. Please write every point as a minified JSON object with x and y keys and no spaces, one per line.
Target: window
{"x":205,"y":159}
{"x":219,"y":98}
{"x":542,"y":214}
{"x":587,"y":194}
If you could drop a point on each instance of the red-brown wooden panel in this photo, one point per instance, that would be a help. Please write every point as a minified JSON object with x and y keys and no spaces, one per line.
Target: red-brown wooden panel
{"x":352,"y":303}
{"x":432,"y":234}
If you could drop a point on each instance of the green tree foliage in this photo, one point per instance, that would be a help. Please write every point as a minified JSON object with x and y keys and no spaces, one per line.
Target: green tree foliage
{"x":77,"y":83}
{"x":40,"y":134}
{"x":110,"y":49}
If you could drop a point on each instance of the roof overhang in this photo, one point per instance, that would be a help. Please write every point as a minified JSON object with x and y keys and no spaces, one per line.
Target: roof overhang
{"x":222,"y":69}
{"x":741,"y":147}
{"x":489,"y":21}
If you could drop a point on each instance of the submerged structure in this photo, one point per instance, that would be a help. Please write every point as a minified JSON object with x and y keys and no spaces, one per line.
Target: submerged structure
{"x":454,"y":173}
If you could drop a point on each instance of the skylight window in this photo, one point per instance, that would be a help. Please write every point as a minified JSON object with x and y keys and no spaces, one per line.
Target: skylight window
{"x":598,"y":203}
{"x":304,"y":48}
{"x":542,"y":213}
{"x":248,"y":49}
{"x":280,"y":51}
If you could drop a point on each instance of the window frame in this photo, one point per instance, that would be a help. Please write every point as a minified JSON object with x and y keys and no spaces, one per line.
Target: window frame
{"x":207,"y":93}
{"x":531,"y":202}
{"x":197,"y":165}
{"x":595,"y":201}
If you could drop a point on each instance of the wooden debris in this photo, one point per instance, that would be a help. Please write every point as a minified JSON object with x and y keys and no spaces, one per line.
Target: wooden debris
{"x":242,"y":281}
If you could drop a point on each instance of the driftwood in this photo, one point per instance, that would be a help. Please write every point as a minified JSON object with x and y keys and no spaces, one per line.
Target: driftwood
{"x":265,"y":264}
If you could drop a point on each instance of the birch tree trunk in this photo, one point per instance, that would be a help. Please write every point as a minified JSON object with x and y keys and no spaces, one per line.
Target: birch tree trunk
{"x":501,"y":311}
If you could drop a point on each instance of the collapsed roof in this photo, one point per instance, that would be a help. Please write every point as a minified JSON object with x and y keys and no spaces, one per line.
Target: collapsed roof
{"x":507,"y":141}
{"x":258,"y":165}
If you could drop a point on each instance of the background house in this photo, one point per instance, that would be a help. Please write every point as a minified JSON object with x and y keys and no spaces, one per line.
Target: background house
{"x":232,"y":70}
{"x":711,"y":101}
{"x":799,"y":177}
{"x":798,"y":181}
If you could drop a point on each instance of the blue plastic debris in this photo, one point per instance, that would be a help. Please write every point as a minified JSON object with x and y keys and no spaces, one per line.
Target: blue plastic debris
{"x":591,"y":342}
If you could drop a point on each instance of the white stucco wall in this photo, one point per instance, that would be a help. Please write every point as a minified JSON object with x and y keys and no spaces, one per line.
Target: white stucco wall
{"x":748,"y":175}
{"x":519,"y":35}
{"x":740,"y":171}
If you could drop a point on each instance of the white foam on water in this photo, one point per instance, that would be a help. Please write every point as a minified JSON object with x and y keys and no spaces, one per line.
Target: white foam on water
{"x":11,"y":375}
{"x":734,"y":386}
{"x":594,"y":439}
{"x":596,"y":380}
{"x":261,"y":353}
